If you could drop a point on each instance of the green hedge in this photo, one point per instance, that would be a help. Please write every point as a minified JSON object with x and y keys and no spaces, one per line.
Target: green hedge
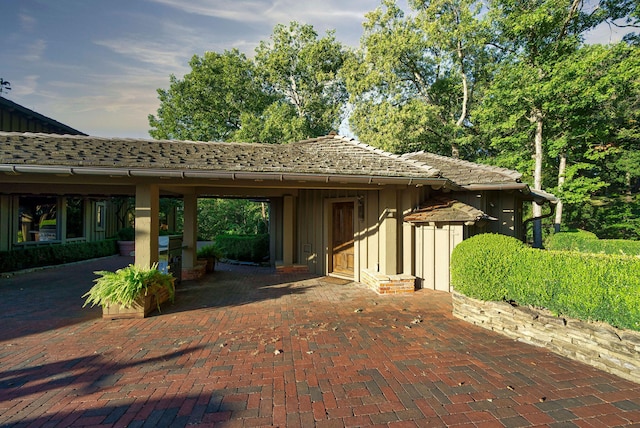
{"x":54,"y":254}
{"x":251,"y":248}
{"x":587,"y":242}
{"x":586,"y":286}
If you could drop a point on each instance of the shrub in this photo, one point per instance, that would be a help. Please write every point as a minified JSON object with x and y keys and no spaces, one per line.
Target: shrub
{"x":595,"y":287}
{"x":53,"y":254}
{"x":587,"y":242}
{"x":253,"y":248}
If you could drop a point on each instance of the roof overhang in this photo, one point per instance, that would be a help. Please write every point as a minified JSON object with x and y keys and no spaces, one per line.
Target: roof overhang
{"x":537,"y":196}
{"x":224,"y":175}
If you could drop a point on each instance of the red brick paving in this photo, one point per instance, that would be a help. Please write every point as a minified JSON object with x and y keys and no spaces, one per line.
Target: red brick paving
{"x":251,"y":347}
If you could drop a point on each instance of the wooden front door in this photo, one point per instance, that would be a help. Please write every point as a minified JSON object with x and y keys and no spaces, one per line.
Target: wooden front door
{"x":342,"y":249}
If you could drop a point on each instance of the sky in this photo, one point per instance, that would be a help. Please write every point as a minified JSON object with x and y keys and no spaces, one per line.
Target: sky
{"x":96,"y":65}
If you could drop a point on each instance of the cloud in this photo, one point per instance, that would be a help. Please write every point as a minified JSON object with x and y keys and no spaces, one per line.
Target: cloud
{"x":34,"y":50}
{"x":27,"y":22}
{"x":150,"y":52}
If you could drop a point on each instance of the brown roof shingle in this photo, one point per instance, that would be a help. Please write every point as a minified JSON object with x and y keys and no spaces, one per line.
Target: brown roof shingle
{"x":323,"y":155}
{"x":444,"y":209}
{"x":463,"y":172}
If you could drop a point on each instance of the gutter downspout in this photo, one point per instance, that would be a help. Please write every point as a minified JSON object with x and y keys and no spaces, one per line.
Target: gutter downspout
{"x":552,"y":209}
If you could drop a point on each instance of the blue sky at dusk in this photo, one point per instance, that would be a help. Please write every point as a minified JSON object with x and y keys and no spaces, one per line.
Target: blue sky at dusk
{"x":95,"y":65}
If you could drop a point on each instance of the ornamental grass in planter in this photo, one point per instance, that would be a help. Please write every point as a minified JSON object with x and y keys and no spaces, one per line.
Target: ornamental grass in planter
{"x":130,"y":292}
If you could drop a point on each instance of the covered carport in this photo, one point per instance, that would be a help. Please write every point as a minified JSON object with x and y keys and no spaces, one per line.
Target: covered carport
{"x":311,"y":185}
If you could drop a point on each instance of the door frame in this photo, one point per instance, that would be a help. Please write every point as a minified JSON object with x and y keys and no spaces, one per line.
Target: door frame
{"x":328,"y":238}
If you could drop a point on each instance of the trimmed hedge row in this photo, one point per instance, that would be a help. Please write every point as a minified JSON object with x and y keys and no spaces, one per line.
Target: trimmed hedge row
{"x":587,"y":242}
{"x":47,"y":255}
{"x":593,"y":287}
{"x":249,"y":248}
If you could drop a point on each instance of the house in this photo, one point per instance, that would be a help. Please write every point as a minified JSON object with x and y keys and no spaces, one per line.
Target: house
{"x":337,"y":207}
{"x":16,"y":118}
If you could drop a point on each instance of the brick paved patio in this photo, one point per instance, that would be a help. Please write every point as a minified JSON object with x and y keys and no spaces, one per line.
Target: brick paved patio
{"x":249,"y":347}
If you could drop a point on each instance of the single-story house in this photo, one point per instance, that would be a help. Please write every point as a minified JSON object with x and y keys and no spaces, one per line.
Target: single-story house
{"x":337,"y":206}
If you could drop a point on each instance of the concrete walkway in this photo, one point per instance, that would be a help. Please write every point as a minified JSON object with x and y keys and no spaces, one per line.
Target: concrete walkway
{"x":249,"y":347}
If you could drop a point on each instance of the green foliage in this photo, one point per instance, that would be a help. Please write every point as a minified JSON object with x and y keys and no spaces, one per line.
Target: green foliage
{"x":210,"y":251}
{"x":126,"y":285}
{"x":126,"y":234}
{"x":587,"y":242}
{"x":251,"y":248}
{"x":206,"y":105}
{"x":35,"y":256}
{"x":414,"y":80}
{"x":585,"y":286}
{"x":290,"y":91}
{"x":234,"y":216}
{"x":484,"y":264}
{"x":302,"y":69}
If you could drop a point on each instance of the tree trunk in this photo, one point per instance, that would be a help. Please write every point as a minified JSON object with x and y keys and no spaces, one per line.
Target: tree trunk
{"x":562,"y":168}
{"x":538,"y":118}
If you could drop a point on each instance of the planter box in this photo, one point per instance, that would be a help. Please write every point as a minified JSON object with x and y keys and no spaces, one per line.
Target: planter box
{"x":140,"y":309}
{"x":126,"y":248}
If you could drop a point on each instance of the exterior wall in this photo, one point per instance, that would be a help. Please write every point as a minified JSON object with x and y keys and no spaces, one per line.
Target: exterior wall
{"x":434,"y":244}
{"x":506,"y":206}
{"x":375,"y":249}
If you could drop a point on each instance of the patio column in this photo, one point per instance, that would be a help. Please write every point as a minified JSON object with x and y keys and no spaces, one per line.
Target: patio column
{"x":6,"y":236}
{"x":147,"y":224}
{"x":287,"y":230}
{"x":190,"y":230}
{"x":388,"y":221}
{"x":408,"y":235}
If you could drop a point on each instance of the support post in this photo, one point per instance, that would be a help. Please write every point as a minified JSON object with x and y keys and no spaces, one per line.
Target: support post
{"x":6,"y":231}
{"x":408,"y":233}
{"x":288,"y":230}
{"x":190,"y":231}
{"x":388,"y":221}
{"x":147,"y":224}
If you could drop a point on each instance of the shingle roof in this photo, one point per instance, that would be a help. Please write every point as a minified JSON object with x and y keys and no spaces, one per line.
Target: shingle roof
{"x":323,"y":155}
{"x":463,"y":172}
{"x":443,"y":209}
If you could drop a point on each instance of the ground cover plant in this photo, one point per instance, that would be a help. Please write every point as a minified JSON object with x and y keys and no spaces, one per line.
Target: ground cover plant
{"x":597,"y":287}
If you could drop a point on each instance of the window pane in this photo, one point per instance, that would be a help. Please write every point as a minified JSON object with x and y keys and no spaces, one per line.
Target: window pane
{"x":38,"y":217}
{"x":75,"y":216}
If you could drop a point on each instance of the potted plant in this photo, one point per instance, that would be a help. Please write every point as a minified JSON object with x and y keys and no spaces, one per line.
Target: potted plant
{"x":130,"y":292}
{"x":209,"y":253}
{"x":126,"y":238}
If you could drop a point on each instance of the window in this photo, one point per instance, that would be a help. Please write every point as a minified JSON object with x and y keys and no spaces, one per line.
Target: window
{"x":75,"y":217}
{"x":100,"y":216}
{"x":38,"y":219}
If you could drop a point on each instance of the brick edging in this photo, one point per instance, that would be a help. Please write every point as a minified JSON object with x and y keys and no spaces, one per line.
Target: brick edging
{"x":597,"y":344}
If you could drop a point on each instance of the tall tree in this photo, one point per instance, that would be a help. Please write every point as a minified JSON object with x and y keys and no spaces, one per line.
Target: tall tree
{"x":208,"y":103}
{"x":301,"y":70}
{"x":524,"y":107}
{"x":412,"y":83}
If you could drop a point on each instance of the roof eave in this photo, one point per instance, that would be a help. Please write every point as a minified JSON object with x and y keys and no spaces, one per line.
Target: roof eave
{"x":229,"y":175}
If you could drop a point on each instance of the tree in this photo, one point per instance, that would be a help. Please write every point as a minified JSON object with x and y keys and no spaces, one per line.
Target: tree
{"x":301,"y":71}
{"x":291,"y":91}
{"x":209,"y":102}
{"x":535,"y":103}
{"x":413,"y":81}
